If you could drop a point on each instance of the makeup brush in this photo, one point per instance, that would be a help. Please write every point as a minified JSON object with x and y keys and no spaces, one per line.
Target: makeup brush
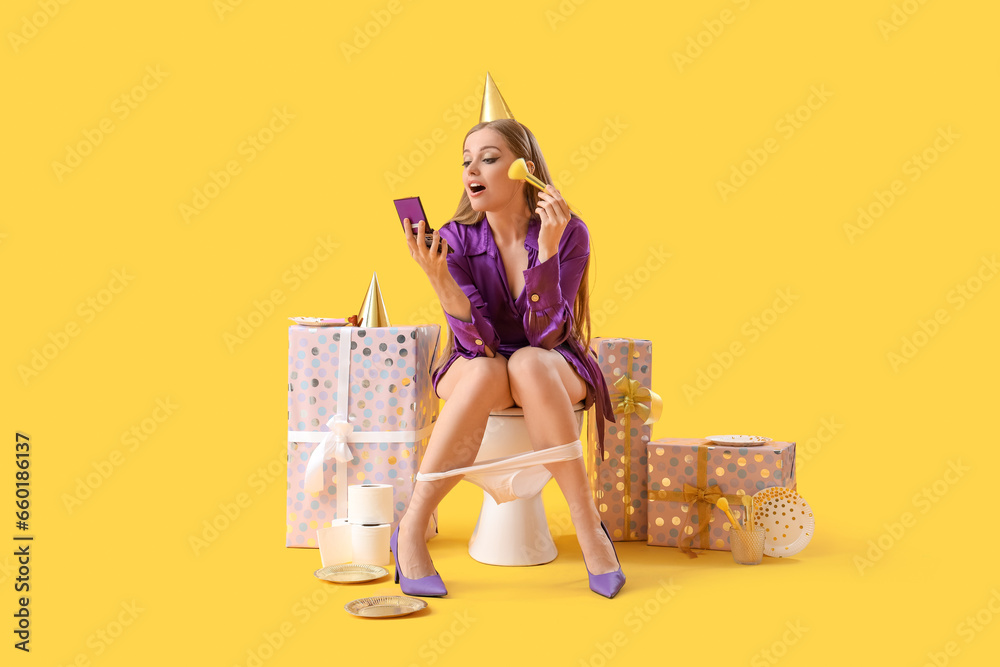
{"x":748,"y":512}
{"x":723,"y":505}
{"x":519,"y":172}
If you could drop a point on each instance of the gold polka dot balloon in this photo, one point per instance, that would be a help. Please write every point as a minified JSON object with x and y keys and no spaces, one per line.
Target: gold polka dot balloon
{"x":786,"y":518}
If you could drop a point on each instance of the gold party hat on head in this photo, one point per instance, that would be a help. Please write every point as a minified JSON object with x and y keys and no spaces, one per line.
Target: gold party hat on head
{"x":372,"y":313}
{"x":494,"y":106}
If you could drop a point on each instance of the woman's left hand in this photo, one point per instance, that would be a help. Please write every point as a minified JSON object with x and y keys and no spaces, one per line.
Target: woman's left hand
{"x":554,"y":213}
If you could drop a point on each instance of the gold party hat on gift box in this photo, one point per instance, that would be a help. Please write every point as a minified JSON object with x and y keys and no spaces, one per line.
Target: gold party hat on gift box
{"x":494,"y":106}
{"x":372,"y":313}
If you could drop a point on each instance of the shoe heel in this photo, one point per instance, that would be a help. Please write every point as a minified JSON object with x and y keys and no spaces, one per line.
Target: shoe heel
{"x":393,"y":549}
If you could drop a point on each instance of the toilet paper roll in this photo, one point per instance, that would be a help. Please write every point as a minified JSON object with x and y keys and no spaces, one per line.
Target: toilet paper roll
{"x":335,"y":543}
{"x":370,"y":543}
{"x":369,"y":503}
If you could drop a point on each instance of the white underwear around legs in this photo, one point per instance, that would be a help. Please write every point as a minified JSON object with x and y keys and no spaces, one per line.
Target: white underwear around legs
{"x":512,"y":477}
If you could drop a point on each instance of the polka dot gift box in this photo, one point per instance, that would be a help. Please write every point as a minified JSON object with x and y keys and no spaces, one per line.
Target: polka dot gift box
{"x":371,"y":388}
{"x":618,"y":483}
{"x":687,"y":476}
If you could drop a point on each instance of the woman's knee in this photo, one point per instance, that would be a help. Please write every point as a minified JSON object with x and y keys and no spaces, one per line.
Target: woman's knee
{"x":533,"y":369}
{"x":487,"y":376}
{"x":537,"y":372}
{"x":532,"y":361}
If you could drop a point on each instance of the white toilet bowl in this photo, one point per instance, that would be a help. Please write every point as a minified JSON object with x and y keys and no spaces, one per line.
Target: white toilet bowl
{"x":515,"y":532}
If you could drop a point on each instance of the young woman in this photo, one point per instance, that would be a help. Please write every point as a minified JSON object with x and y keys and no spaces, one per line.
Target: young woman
{"x":515,"y":296}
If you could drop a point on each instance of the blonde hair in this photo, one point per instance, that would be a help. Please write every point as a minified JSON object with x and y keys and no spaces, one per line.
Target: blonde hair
{"x":522,"y":144}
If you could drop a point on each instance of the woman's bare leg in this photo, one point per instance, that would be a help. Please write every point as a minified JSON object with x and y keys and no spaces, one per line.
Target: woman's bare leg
{"x":544,"y":384}
{"x":471,"y":389}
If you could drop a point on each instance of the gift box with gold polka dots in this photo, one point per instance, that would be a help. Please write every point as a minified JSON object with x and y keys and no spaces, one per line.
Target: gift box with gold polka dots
{"x":618,"y":480}
{"x":687,"y":476}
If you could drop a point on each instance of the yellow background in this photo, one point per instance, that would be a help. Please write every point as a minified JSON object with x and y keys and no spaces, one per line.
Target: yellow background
{"x":570,"y":71}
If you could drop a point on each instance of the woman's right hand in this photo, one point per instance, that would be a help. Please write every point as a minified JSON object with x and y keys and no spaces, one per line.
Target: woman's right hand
{"x":433,"y":260}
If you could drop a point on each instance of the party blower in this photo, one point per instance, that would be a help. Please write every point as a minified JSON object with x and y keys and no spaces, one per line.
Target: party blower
{"x":519,"y":172}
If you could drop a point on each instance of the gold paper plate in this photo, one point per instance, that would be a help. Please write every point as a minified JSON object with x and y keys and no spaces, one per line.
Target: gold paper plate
{"x":786,"y":518}
{"x":350,"y":573}
{"x":384,"y":606}
{"x":739,"y":440}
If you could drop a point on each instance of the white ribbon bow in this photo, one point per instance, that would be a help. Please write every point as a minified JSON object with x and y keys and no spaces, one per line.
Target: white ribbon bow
{"x":332,"y":446}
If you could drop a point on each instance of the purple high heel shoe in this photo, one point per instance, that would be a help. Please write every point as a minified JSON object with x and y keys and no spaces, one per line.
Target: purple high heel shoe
{"x":610,"y":583}
{"x":428,"y":587}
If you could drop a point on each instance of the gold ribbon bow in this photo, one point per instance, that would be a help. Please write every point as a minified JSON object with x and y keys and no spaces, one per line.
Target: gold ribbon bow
{"x":633,"y":398}
{"x":693,"y":494}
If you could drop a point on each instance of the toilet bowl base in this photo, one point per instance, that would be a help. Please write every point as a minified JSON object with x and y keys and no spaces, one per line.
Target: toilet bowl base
{"x":514,"y":533}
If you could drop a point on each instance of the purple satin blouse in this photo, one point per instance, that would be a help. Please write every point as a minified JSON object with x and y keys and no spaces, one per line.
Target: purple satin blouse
{"x":540,"y":316}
